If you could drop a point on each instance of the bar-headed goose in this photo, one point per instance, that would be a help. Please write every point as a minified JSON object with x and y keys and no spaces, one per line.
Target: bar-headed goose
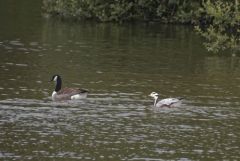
{"x":167,"y":102}
{"x":66,"y":93}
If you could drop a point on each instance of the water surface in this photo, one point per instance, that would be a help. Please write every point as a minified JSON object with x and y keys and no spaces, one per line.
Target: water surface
{"x":120,"y":65}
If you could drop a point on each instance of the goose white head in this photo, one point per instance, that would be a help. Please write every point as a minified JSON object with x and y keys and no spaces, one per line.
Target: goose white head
{"x":154,"y":95}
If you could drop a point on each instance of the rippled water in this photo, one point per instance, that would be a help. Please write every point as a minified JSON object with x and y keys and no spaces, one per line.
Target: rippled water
{"x":120,"y":65}
{"x":112,"y":128}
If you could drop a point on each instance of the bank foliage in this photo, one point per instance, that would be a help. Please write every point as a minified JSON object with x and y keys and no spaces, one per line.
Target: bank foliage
{"x":181,"y":11}
{"x":220,"y":25}
{"x":216,"y":20}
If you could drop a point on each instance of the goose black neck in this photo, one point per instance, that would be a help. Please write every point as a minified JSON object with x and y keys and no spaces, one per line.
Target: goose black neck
{"x":58,"y":85}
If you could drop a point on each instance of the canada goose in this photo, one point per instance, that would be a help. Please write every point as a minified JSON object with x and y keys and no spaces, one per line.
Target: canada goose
{"x":66,"y":93}
{"x":167,"y":102}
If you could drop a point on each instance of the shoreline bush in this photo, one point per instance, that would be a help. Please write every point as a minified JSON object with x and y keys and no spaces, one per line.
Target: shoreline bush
{"x":167,"y":11}
{"x":221,"y":28}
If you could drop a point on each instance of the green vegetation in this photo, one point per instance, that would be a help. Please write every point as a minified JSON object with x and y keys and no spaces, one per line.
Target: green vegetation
{"x":218,"y":21}
{"x":177,"y":11}
{"x":221,"y":26}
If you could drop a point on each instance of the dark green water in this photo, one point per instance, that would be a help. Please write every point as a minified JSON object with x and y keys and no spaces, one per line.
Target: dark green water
{"x":120,"y":65}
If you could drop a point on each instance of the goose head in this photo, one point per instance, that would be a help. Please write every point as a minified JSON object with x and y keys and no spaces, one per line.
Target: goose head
{"x":56,"y":78}
{"x":154,"y":95}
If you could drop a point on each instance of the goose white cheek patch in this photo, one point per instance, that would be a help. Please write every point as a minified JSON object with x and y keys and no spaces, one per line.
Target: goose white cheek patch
{"x":55,"y":78}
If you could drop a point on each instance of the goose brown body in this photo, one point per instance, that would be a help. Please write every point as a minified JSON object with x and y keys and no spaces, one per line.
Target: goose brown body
{"x":66,"y":93}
